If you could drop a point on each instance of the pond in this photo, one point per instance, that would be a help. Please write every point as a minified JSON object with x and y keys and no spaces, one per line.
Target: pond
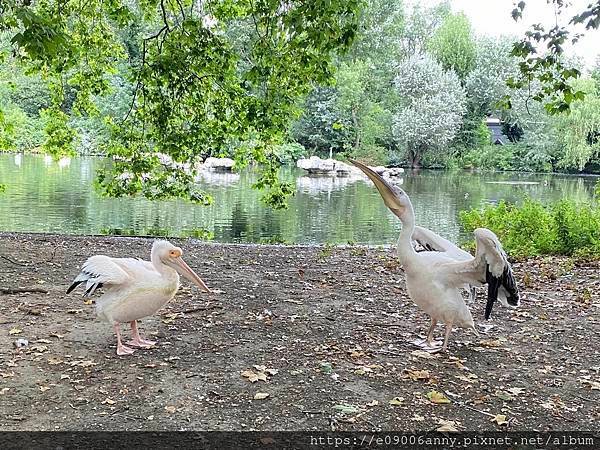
{"x":58,"y":197}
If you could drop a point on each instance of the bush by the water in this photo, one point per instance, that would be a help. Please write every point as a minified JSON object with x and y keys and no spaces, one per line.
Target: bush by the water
{"x":564,"y":228}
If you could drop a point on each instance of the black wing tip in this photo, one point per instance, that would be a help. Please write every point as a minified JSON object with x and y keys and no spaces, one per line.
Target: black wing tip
{"x":507,"y":281}
{"x":89,"y":291}
{"x":510,"y":284}
{"x":493,"y":285}
{"x":73,"y":286}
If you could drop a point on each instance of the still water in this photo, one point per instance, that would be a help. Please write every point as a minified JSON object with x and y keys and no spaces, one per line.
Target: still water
{"x":47,"y":196}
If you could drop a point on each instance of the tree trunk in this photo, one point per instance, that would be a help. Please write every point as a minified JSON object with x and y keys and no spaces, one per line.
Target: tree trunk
{"x":415,"y":158}
{"x":356,"y":130}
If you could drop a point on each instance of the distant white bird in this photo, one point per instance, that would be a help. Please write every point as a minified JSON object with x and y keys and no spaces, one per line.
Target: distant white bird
{"x":434,"y":279}
{"x":135,"y":288}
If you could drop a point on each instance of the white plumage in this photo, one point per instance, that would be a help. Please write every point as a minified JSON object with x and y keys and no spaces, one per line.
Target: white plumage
{"x":134,"y":288}
{"x":434,"y":278}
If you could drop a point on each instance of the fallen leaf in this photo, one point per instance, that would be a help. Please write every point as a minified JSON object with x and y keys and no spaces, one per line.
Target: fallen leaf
{"x":260,"y":395}
{"x":261,"y":376}
{"x":108,"y":401}
{"x":594,"y":385}
{"x":448,"y":426}
{"x":346,"y":409}
{"x":83,"y":363}
{"x":15,"y":331}
{"x":491,"y":343}
{"x":500,"y":419}
{"x":396,"y":401}
{"x":437,"y":397}
{"x":422,"y":354}
{"x":516,"y":391}
{"x":373,"y":403}
{"x":44,"y":388}
{"x":38,"y":348}
{"x":170,"y":318}
{"x":170,"y":409}
{"x":254,"y":377}
{"x":416,"y":375}
{"x":297,"y":302}
{"x":4,"y":390}
{"x":503,"y":395}
{"x":363,"y":370}
{"x":326,"y":367}
{"x":53,"y":361}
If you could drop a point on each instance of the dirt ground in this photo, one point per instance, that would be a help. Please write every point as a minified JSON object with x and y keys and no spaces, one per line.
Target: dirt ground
{"x":324,"y":331}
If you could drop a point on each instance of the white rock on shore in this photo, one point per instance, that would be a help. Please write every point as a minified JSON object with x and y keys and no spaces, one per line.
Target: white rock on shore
{"x":219,"y":164}
{"x":316,"y":165}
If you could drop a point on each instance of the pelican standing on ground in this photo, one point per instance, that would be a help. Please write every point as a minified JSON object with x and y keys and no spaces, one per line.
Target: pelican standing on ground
{"x":432,"y":242}
{"x":135,"y":288}
{"x":434,"y":279}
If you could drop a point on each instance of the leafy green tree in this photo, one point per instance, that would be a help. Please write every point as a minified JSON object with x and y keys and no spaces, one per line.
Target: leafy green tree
{"x":433,"y":105}
{"x":322,"y":126}
{"x":453,"y":45}
{"x":194,"y":87}
{"x":579,"y":131}
{"x":381,"y":26}
{"x":486,"y":83}
{"x":541,"y":54}
{"x":421,"y":25}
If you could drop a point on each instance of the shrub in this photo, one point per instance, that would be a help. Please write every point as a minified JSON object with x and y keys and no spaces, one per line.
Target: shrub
{"x":290,"y":152}
{"x":564,"y":228}
{"x":370,"y":154}
{"x":489,"y":157}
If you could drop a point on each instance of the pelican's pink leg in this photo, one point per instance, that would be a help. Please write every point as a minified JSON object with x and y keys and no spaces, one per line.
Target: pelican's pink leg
{"x":137,"y":340}
{"x":121,"y":349}
{"x":430,"y":333}
{"x":447,"y":336}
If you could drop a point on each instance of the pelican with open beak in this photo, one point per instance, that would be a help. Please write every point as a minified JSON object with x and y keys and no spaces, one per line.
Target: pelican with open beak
{"x":135,"y":288}
{"x":434,"y":279}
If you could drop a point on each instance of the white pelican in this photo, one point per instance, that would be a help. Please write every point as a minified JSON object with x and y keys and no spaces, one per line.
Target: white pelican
{"x":433,"y":242}
{"x":135,"y":288}
{"x":434,"y":279}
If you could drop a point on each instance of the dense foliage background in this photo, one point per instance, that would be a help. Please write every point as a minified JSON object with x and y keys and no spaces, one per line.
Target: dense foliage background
{"x":272,"y":81}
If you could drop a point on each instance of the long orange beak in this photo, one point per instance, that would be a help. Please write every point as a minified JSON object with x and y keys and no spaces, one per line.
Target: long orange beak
{"x":385,"y":189}
{"x":180,"y":266}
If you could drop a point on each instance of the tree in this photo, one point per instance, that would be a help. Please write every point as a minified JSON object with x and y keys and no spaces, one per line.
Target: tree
{"x":579,"y":131}
{"x":421,"y":26}
{"x":486,"y":83}
{"x":453,"y":45}
{"x":194,"y":88}
{"x":433,"y":106}
{"x":322,"y":126}
{"x":541,"y":53}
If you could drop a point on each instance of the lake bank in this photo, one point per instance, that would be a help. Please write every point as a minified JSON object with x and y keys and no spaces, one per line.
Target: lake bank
{"x":333,"y":324}
{"x":46,"y":196}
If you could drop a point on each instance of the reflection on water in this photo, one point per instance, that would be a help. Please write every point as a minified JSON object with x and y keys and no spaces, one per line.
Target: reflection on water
{"x":48,"y":196}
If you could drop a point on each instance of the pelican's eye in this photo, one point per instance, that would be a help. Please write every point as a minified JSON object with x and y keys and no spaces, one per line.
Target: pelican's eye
{"x":173,"y":254}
